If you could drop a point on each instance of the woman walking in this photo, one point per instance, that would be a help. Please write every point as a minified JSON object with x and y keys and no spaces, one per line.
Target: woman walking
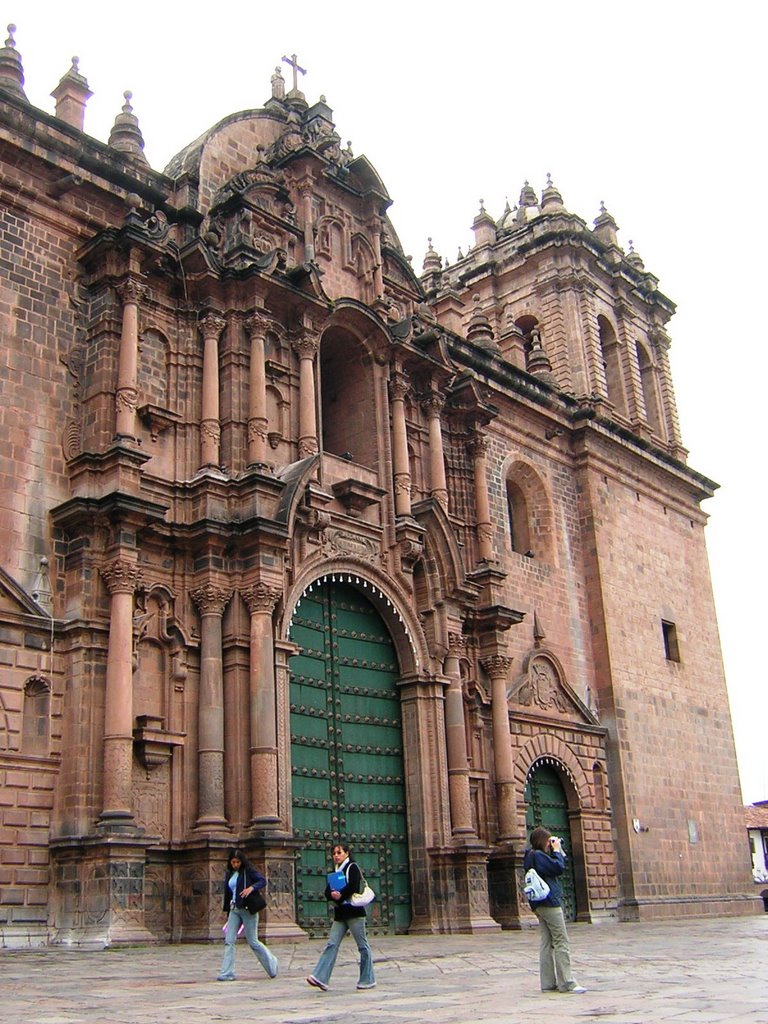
{"x":547,"y":857}
{"x":346,"y":918}
{"x":242,"y":901}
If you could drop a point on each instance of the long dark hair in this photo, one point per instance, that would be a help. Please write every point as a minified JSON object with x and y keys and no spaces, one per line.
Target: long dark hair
{"x":235,"y":854}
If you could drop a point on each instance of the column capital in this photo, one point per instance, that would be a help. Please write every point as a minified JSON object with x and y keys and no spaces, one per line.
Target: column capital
{"x":261,"y":597}
{"x":257,"y":324}
{"x":210,"y":599}
{"x":497,"y":666}
{"x":306,"y":346}
{"x":432,"y":404}
{"x":479,"y":444}
{"x":121,"y":576}
{"x":132,"y":291}
{"x":211,"y":325}
{"x":399,"y":385}
{"x":457,"y":645}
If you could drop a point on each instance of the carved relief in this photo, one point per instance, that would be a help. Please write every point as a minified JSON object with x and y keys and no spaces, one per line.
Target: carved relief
{"x":542,"y":687}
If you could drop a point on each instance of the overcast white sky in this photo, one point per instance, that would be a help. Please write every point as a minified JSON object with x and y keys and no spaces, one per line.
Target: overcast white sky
{"x":656,"y":108}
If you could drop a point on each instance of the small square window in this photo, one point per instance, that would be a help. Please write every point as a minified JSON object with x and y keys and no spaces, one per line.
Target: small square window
{"x":671,"y":646}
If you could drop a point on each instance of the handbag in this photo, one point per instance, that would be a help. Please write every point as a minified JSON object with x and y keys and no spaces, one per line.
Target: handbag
{"x":365,"y":896}
{"x":254,"y":902}
{"x":534,"y":887}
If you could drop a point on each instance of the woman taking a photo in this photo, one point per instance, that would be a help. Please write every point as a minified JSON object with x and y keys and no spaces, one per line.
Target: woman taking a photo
{"x":342,"y":884}
{"x":547,"y":858}
{"x":242,"y":901}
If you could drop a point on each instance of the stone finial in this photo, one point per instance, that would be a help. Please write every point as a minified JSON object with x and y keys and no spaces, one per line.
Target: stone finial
{"x":433,"y":263}
{"x":41,"y":588}
{"x":479,"y":330}
{"x":537,"y":361}
{"x":527,"y":195}
{"x":71,"y":95}
{"x":126,"y":135}
{"x":606,"y":227}
{"x":11,"y":70}
{"x":634,"y":258}
{"x":484,"y":227}
{"x":551,"y":200}
{"x":528,"y":204}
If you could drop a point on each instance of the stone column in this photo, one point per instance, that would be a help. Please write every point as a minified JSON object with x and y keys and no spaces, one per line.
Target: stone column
{"x":261,"y":600}
{"x":256,"y":326}
{"x":497,"y":668}
{"x":478,"y":446}
{"x":211,"y":602}
{"x":398,"y":389}
{"x":306,"y":203}
{"x":378,"y":275}
{"x":439,"y":489}
{"x":456,"y":743}
{"x":668,"y":402}
{"x":211,"y":326}
{"x":306,"y":348}
{"x":126,"y":398}
{"x":121,"y":577}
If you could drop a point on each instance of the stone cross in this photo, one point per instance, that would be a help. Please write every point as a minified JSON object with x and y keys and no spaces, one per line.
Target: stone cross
{"x":293,"y":63}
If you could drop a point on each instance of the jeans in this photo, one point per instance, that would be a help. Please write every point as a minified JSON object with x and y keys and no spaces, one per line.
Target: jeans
{"x":327,"y":961}
{"x":554,"y":952}
{"x":250,"y":921}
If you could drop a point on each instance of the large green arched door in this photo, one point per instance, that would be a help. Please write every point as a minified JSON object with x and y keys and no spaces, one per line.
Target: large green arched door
{"x":346,"y":754}
{"x":546,"y":805}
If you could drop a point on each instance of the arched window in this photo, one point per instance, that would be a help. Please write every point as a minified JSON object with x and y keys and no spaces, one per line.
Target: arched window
{"x":650,"y":394}
{"x":611,"y":354}
{"x":36,"y":717}
{"x":348,"y":399}
{"x":529,"y":513}
{"x":519,"y":527}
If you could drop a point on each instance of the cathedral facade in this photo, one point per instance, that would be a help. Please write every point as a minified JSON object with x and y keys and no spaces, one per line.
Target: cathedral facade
{"x":298,"y":544}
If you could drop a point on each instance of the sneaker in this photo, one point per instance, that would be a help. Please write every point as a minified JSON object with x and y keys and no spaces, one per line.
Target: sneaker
{"x":312,"y":980}
{"x":576,"y":990}
{"x":226,"y":977}
{"x":370,"y":984}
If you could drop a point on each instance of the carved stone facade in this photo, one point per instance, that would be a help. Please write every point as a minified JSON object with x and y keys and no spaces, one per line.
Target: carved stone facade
{"x":249,"y":394}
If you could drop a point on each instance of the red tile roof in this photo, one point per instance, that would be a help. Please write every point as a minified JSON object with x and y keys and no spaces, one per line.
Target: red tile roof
{"x":757,"y":815}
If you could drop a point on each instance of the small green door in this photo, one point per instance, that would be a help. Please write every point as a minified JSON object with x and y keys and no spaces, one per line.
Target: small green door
{"x":546,"y":805}
{"x":346,"y":754}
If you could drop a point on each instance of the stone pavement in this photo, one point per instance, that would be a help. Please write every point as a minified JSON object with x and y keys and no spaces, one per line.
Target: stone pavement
{"x":681,"y":972}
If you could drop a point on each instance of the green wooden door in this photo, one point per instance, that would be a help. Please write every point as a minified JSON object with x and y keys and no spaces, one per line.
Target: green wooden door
{"x":546,"y":805}
{"x":346,"y":754}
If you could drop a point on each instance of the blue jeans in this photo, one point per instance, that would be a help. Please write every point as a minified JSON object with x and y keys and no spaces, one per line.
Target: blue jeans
{"x":250,"y":921}
{"x":327,"y":961}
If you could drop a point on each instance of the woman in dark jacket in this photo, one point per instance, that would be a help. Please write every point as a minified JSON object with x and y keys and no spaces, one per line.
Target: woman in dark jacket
{"x":547,"y":857}
{"x":346,"y":917}
{"x":241,"y":883}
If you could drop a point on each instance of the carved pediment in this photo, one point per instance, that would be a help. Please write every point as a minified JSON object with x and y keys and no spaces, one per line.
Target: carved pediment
{"x":541,"y":689}
{"x":15,"y":603}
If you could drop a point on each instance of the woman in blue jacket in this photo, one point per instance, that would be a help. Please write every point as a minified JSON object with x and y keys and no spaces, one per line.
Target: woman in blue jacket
{"x":241,"y":883}
{"x":547,"y":857}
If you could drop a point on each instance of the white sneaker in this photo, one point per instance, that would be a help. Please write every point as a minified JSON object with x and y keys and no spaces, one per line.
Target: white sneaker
{"x":577,"y":990}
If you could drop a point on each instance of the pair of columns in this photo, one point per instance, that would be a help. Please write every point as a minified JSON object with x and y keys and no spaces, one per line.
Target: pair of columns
{"x":211,"y":325}
{"x":122,"y":577}
{"x":497,"y":668}
{"x":399,"y":387}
